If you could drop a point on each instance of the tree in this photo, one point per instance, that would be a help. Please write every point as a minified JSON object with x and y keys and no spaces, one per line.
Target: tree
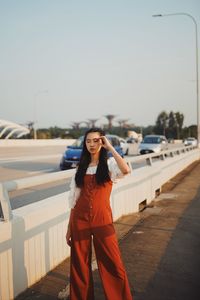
{"x":179,"y":124}
{"x":190,"y":131}
{"x":172,"y":125}
{"x":161,"y":123}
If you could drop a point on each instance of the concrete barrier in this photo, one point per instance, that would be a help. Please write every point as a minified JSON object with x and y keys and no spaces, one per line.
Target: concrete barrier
{"x":32,"y":241}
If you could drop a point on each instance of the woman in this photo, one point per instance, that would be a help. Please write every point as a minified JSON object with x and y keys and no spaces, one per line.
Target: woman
{"x":91,"y":219}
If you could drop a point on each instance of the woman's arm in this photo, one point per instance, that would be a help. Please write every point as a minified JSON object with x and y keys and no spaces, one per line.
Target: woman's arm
{"x":124,"y":168}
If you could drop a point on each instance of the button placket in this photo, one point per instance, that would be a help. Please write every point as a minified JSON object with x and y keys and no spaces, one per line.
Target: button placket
{"x":90,"y":207}
{"x":91,"y":186}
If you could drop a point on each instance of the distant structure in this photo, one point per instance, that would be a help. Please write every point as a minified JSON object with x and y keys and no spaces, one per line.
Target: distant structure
{"x":110,"y":119}
{"x":92,"y":122}
{"x":76,"y":125}
{"x":123,"y":123}
{"x":12,"y":130}
{"x":87,"y":123}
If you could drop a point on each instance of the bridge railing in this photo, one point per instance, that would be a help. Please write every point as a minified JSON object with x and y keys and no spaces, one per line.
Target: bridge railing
{"x":23,"y":183}
{"x":32,"y":237}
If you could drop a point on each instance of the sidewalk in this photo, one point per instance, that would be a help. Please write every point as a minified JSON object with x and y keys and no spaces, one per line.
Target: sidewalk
{"x":160,"y":247}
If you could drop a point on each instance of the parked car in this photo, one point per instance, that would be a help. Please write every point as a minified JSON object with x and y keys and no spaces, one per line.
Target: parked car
{"x":124,"y":145}
{"x":72,"y":154}
{"x":190,"y":141}
{"x":153,"y":144}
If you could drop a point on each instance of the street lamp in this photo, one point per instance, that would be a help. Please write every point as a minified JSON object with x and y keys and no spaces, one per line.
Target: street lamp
{"x":197,"y":74}
{"x":35,"y":111}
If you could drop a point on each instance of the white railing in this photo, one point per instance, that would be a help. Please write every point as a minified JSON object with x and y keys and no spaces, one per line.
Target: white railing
{"x":32,"y":237}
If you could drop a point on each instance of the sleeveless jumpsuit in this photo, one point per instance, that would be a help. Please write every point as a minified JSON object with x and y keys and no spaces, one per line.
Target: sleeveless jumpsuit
{"x":92,"y":220}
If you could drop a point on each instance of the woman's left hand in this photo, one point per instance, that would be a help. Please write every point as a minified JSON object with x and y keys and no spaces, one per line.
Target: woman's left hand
{"x":68,"y":237}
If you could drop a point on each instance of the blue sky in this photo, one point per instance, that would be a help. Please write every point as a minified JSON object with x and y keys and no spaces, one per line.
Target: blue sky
{"x":64,"y":61}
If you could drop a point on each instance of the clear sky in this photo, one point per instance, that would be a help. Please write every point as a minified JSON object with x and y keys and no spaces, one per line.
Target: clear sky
{"x":63,"y":61}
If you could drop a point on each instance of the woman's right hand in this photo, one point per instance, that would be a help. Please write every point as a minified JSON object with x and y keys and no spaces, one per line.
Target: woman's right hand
{"x":106,"y":143}
{"x":68,"y":236}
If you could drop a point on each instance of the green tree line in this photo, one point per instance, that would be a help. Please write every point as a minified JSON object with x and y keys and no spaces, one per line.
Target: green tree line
{"x":171,"y":125}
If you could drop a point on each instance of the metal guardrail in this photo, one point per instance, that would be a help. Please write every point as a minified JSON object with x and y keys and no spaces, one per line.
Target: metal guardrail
{"x":18,"y":184}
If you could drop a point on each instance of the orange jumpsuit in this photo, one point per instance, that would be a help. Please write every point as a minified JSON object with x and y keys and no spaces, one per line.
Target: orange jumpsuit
{"x":92,"y":219}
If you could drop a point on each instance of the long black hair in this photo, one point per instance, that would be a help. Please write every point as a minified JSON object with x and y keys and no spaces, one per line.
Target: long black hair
{"x":102,"y":173}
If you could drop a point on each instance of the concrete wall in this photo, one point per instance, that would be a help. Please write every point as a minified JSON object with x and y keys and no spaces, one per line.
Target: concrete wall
{"x":33,"y":242}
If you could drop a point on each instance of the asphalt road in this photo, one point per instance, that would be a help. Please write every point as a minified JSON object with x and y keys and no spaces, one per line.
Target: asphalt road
{"x":21,"y":162}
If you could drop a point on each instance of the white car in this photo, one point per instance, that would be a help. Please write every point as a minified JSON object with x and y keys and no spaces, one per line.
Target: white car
{"x":124,"y":145}
{"x":153,"y":144}
{"x":190,"y":141}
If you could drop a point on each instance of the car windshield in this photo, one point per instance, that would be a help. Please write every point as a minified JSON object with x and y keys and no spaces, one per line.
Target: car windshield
{"x":151,"y":140}
{"x":78,"y":143}
{"x":190,"y":139}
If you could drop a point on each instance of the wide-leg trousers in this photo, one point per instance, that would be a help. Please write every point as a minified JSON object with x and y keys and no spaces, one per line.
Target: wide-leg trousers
{"x":110,"y":266}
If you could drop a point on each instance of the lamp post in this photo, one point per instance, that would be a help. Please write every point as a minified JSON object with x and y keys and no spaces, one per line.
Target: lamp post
{"x":35,"y":111}
{"x":196,"y":55}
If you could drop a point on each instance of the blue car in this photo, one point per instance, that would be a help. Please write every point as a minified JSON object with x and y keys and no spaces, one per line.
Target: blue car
{"x":71,"y":157}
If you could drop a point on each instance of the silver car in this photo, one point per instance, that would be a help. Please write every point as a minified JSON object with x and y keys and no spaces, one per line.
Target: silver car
{"x":190,"y":141}
{"x":153,"y":144}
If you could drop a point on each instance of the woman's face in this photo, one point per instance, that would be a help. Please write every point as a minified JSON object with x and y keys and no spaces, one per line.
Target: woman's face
{"x":93,"y":142}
